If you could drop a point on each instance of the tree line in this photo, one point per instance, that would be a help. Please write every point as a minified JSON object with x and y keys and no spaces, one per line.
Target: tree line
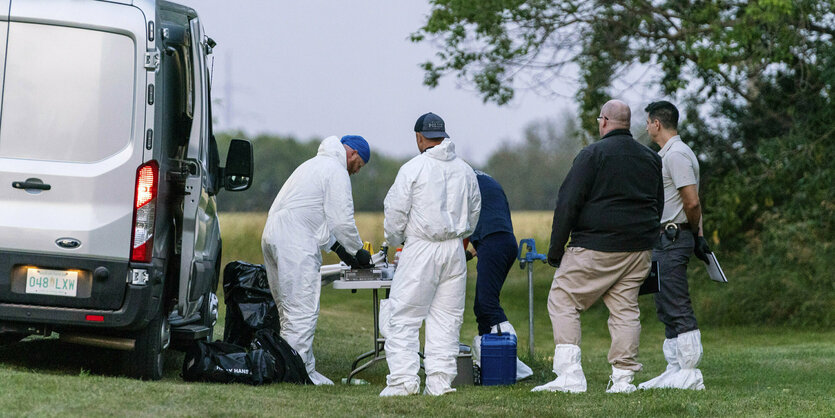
{"x":545,"y":151}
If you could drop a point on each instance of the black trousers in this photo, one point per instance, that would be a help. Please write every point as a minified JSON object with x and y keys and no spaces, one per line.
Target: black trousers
{"x":672,"y":302}
{"x":496,"y":255}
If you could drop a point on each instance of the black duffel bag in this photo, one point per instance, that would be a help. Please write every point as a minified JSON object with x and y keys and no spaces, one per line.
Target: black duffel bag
{"x":222,"y":362}
{"x":249,"y":303}
{"x":289,"y":366}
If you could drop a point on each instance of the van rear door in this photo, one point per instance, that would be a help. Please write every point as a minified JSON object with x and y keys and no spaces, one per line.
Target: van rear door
{"x":72,"y":121}
{"x":4,"y":31}
{"x":201,"y":233}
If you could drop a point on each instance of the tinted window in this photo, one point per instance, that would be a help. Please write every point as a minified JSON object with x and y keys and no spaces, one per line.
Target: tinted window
{"x":69,"y":93}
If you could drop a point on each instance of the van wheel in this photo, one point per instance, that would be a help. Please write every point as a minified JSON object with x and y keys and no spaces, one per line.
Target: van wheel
{"x":148,"y":356}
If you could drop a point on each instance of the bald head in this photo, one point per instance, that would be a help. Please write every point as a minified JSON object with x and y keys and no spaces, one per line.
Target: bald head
{"x":615,"y":114}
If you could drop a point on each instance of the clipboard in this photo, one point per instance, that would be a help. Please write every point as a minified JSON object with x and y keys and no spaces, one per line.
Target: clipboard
{"x":652,"y":284}
{"x":714,"y":270}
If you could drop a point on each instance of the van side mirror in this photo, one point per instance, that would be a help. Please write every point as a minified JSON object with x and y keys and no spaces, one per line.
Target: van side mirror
{"x":237,"y":175}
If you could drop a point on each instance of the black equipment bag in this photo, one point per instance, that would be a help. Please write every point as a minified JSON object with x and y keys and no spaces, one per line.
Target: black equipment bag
{"x":289,"y":366}
{"x":652,"y":284}
{"x":249,"y":303}
{"x":222,"y":362}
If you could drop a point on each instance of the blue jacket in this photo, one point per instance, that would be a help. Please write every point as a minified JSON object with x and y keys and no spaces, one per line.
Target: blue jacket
{"x":495,"y":211}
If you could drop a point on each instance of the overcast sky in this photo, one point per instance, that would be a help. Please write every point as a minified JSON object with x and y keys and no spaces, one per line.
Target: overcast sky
{"x":316,"y":68}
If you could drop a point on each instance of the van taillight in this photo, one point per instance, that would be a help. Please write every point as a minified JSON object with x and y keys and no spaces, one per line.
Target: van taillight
{"x":144,"y":209}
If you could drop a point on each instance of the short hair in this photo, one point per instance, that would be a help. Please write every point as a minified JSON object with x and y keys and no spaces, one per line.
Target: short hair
{"x":664,"y":112}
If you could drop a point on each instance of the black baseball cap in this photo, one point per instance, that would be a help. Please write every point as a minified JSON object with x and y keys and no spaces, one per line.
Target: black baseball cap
{"x":431,"y":126}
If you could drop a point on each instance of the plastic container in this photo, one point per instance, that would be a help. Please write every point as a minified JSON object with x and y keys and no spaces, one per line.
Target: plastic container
{"x":498,"y":359}
{"x":464,"y":362}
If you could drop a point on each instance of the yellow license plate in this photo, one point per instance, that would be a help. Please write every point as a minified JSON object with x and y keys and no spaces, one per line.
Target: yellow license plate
{"x":51,"y":282}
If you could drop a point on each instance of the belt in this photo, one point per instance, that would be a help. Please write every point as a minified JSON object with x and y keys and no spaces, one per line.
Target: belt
{"x":672,"y":229}
{"x":685,"y":226}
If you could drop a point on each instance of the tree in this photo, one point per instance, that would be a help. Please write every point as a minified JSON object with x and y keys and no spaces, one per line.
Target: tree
{"x":531,"y":172}
{"x":275,"y":159}
{"x":730,"y":48}
{"x":754,"y":79}
{"x":763,"y":70}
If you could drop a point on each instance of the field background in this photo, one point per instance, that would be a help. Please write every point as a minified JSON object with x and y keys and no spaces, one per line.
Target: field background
{"x":749,"y":370}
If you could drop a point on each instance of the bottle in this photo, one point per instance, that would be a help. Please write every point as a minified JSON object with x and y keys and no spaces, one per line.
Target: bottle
{"x":396,"y":257}
{"x":367,"y":247}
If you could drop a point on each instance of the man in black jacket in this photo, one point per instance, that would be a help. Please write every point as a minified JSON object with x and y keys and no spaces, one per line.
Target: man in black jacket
{"x":609,"y":204}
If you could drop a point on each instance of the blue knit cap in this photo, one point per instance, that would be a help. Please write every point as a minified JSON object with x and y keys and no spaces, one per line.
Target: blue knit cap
{"x":358,"y":144}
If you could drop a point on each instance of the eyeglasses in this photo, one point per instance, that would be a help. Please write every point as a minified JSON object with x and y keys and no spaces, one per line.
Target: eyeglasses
{"x":602,"y":117}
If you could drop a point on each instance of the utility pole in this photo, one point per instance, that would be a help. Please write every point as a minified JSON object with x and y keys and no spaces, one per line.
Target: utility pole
{"x":227,"y":92}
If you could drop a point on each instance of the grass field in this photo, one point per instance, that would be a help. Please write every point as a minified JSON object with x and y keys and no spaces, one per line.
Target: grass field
{"x":749,"y":371}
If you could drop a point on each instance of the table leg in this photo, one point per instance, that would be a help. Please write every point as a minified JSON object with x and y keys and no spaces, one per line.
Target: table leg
{"x":376,"y":305}
{"x":361,"y":356}
{"x":363,"y":367}
{"x":377,"y":354}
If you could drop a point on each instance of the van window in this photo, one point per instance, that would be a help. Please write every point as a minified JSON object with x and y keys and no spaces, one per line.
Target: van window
{"x":69,"y":93}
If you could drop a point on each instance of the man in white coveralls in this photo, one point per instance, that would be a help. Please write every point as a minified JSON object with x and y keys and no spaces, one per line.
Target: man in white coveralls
{"x":314,"y":211}
{"x":433,"y":204}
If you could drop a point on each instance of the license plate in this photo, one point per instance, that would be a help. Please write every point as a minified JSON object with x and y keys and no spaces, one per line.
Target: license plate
{"x":51,"y":282}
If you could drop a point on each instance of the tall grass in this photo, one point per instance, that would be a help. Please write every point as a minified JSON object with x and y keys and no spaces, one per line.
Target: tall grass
{"x":242,"y":232}
{"x":749,"y":371}
{"x":783,"y":278}
{"x":242,"y":235}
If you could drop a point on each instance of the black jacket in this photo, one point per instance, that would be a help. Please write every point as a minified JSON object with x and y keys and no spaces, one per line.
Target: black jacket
{"x":611,"y":199}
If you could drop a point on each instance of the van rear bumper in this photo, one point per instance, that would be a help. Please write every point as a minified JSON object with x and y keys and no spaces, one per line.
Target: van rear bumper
{"x":139,"y":303}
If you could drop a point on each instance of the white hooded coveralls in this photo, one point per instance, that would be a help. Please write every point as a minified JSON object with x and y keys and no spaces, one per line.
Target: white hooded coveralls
{"x":433,"y":204}
{"x":313,"y":209}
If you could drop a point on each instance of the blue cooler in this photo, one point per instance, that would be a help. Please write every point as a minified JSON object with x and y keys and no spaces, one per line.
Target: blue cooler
{"x":498,"y":359}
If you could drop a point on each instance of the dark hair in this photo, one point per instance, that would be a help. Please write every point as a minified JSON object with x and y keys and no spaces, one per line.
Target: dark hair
{"x":665,"y":112}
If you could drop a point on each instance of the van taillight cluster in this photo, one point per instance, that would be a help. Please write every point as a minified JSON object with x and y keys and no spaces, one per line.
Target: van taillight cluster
{"x":147,"y":177}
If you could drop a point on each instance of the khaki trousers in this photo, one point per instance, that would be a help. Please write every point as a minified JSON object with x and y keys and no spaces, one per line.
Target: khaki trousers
{"x":584,"y":276}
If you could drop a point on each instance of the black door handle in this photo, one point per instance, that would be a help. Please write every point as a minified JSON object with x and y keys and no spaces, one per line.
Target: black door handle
{"x":28,"y":185}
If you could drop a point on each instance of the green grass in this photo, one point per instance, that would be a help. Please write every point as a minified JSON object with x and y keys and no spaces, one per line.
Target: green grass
{"x":749,"y":371}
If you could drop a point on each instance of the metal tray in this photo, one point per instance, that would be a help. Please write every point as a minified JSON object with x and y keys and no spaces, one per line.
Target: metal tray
{"x":362,"y":274}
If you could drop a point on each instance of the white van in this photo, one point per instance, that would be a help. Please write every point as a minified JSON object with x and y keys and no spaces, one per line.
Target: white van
{"x":108,"y":174}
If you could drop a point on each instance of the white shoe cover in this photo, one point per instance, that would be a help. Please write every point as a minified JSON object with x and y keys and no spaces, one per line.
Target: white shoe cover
{"x":683,"y":355}
{"x":570,"y":377}
{"x":689,"y":352}
{"x":688,"y":379}
{"x":506,"y":328}
{"x":404,"y":389}
{"x":476,"y":349}
{"x":438,"y":384}
{"x":663,"y":380}
{"x":522,"y":369}
{"x":621,"y":381}
{"x":319,"y":378}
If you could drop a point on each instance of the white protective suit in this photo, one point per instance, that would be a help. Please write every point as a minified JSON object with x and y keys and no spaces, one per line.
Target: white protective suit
{"x":433,"y":204}
{"x":313,"y":210}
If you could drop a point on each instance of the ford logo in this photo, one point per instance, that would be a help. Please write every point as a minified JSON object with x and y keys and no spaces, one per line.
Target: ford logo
{"x":68,"y":243}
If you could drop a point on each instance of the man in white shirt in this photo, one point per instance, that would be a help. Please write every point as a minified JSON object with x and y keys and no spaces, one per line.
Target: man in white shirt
{"x":681,"y":234}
